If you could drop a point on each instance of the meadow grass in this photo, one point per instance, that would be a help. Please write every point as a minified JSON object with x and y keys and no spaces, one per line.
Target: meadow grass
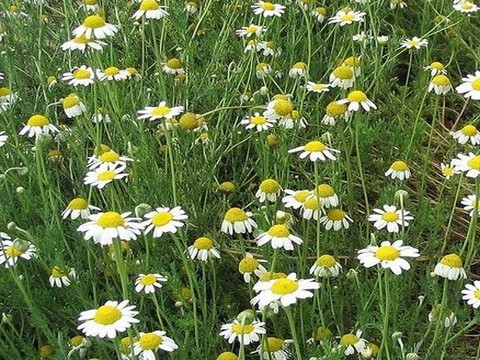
{"x":167,"y":190}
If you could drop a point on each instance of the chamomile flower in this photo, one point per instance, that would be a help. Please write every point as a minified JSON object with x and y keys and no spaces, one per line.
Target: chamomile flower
{"x":173,"y":66}
{"x":467,"y":133}
{"x":79,"y":76}
{"x":326,"y":266}
{"x":352,"y":343}
{"x":450,"y":267}
{"x":397,"y":3}
{"x":108,"y":319}
{"x":399,"y":170}
{"x":262,"y":70}
{"x":292,"y":120}
{"x":390,"y":218}
{"x":133,"y":73}
{"x":61,"y":276}
{"x":389,"y":256}
{"x":468,"y":163}
{"x":280,"y":237}
{"x":336,"y":219}
{"x":73,"y":106}
{"x":440,"y":84}
{"x":295,"y":198}
{"x":258,"y":122}
{"x":269,"y":189}
{"x":466,"y":7}
{"x":357,"y":98}
{"x":335,"y":110}
{"x":90,"y":5}
{"x":436,"y":68}
{"x":326,"y":194}
{"x":319,"y":13}
{"x":78,"y":207}
{"x":95,"y":26}
{"x":448,"y":170}
{"x":438,"y":311}
{"x":287,"y":290}
{"x":203,"y":249}
{"x":362,"y":37}
{"x":3,"y":138}
{"x":298,"y":69}
{"x":82,"y":43}
{"x":248,"y":31}
{"x":347,"y":17}
{"x":103,"y":175}
{"x":110,"y":158}
{"x":266,"y":9}
{"x":253,"y":45}
{"x":36,"y":125}
{"x":7,"y":98}
{"x":273,"y":348}
{"x":471,"y":293}
{"x":312,"y":207}
{"x":342,"y":76}
{"x":149,"y":343}
{"x":105,"y":227}
{"x":191,"y":7}
{"x":12,"y":251}
{"x":382,"y":40}
{"x":150,"y":9}
{"x":268,"y":48}
{"x":245,"y":333}
{"x":249,"y":265}
{"x":315,"y":150}
{"x":112,"y":73}
{"x":317,"y":87}
{"x":471,"y":204}
{"x":159,"y":112}
{"x":148,"y":283}
{"x":164,"y":220}
{"x":414,"y":43}
{"x":237,"y":221}
{"x":278,"y":108}
{"x":101,"y":115}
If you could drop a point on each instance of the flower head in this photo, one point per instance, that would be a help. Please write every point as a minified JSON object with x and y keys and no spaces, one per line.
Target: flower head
{"x":237,"y":221}
{"x":315,"y":150}
{"x":347,"y":17}
{"x":352,"y":343}
{"x":326,"y":266}
{"x":164,"y":220}
{"x":399,"y":170}
{"x":274,"y":348}
{"x":450,"y":267}
{"x":78,"y":207}
{"x":269,"y":189}
{"x":36,"y":125}
{"x":12,"y":251}
{"x":448,"y":170}
{"x":440,"y":84}
{"x":95,"y":26}
{"x":159,"y":112}
{"x":148,"y":283}
{"x":436,"y":68}
{"x":245,"y":333}
{"x":390,"y":218}
{"x":295,"y":199}
{"x":83,"y":75}
{"x":249,"y":265}
{"x":470,"y":203}
{"x":335,"y":110}
{"x":267,"y":9}
{"x":258,"y":122}
{"x":468,"y":133}
{"x":82,"y":43}
{"x":150,"y":9}
{"x":149,"y":343}
{"x":280,"y":237}
{"x":468,"y":163}
{"x":471,"y":293}
{"x":342,"y":77}
{"x":203,"y":249}
{"x":414,"y":43}
{"x":336,"y":219}
{"x":73,"y":106}
{"x":61,"y":276}
{"x":103,"y":175}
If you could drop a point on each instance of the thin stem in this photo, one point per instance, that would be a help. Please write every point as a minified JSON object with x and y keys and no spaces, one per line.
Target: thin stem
{"x":291,"y":323}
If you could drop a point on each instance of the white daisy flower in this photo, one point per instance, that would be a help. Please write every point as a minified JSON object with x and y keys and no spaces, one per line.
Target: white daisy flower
{"x":247,"y":333}
{"x":351,"y":343}
{"x":203,"y":249}
{"x":357,"y":98}
{"x":342,"y":77}
{"x":319,"y":13}
{"x":399,"y":170}
{"x":164,"y":220}
{"x":149,"y":343}
{"x":326,"y":194}
{"x":397,"y":3}
{"x":468,"y":133}
{"x":267,"y":9}
{"x":273,"y":348}
{"x":103,"y":175}
{"x":326,"y":266}
{"x":449,"y":318}
{"x":262,"y":70}
{"x":173,"y":66}
{"x":95,"y":26}
{"x":336,"y":219}
{"x":315,"y":150}
{"x":466,"y":7}
{"x":414,"y":43}
{"x":440,"y":84}
{"x":36,"y":125}
{"x":258,"y":122}
{"x":471,"y":204}
{"x":347,"y":17}
{"x":110,"y":158}
{"x":436,"y":68}
{"x":292,"y":120}
{"x":280,"y":237}
{"x":159,"y":112}
{"x":450,"y":267}
{"x":448,"y":170}
{"x":471,"y":293}
{"x":391,"y":218}
{"x":249,"y":265}
{"x":298,"y":69}
{"x":148,"y":283}
{"x":237,"y":221}
{"x":61,"y":276}
{"x":79,"y":76}
{"x":295,"y":198}
{"x":248,"y":31}
{"x":78,"y":207}
{"x":191,"y":7}
{"x":468,"y":163}
{"x":82,"y":43}
{"x":150,"y":9}
{"x":12,"y":251}
{"x":112,"y":73}
{"x":269,"y":189}
{"x":90,"y":5}
{"x":312,"y":208}
{"x":278,"y":108}
{"x":3,"y":138}
{"x":73,"y":106}
{"x":334,"y":111}
{"x":317,"y":87}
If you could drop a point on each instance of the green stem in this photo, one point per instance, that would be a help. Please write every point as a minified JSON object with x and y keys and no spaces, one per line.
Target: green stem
{"x":291,"y":323}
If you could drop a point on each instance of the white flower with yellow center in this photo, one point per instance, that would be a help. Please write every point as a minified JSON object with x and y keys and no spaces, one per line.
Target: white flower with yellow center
{"x":326,"y":266}
{"x":95,"y":26}
{"x":335,"y":110}
{"x":292,"y":120}
{"x":471,"y":204}
{"x":150,"y":9}
{"x":73,"y":106}
{"x":315,"y":150}
{"x":295,"y":199}
{"x":12,"y":251}
{"x":317,"y":87}
{"x":160,"y":112}
{"x":103,"y":175}
{"x":342,"y":77}
{"x":262,"y":70}
{"x":269,"y":48}
{"x":312,"y":207}
{"x":357,"y":98}
{"x":326,"y":194}
{"x":280,"y":237}
{"x":173,"y":66}
{"x":101,"y":115}
{"x":191,"y":7}
{"x":61,"y":276}
{"x":450,"y":267}
{"x":108,"y":319}
{"x":319,"y":13}
{"x":287,"y":290}
{"x":468,"y":163}
{"x":36,"y":125}
{"x":110,"y":158}
{"x":438,"y":311}
{"x":112,"y":73}
{"x":273,"y":348}
{"x":390,"y":218}
{"x":248,"y":31}
{"x":90,"y":5}
{"x":267,"y":9}
{"x":278,"y":108}
{"x":269,"y":189}
{"x":414,"y":43}
{"x":133,"y":73}
{"x":471,"y":293}
{"x":164,"y":220}
{"x":440,"y":84}
{"x":298,"y":69}
{"x":203,"y":249}
{"x":249,"y":265}
{"x":466,"y":7}
{"x":389,"y":256}
{"x":245,"y":333}
{"x":105,"y":227}
{"x":336,"y":219}
{"x":352,"y":343}
{"x":80,"y":76}
{"x":467,"y":133}
{"x":448,"y":170}
{"x":397,"y":3}
{"x":399,"y":170}
{"x":258,"y":122}
{"x":82,"y":43}
{"x":149,"y":343}
{"x":347,"y":17}
{"x":436,"y":68}
{"x":148,"y":283}
{"x":253,"y":45}
{"x":237,"y":221}
{"x":355,"y":63}
{"x":382,"y":40}
{"x":7,"y":98}
{"x":78,"y":207}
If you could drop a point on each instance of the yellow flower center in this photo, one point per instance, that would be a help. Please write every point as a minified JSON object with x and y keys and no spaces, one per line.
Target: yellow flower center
{"x":413,"y":43}
{"x":150,"y":341}
{"x":441,"y":80}
{"x":324,"y":191}
{"x":13,"y":251}
{"x":477,"y":294}
{"x":322,"y":333}
{"x":318,"y":87}
{"x":161,"y":110}
{"x":300,"y":66}
{"x":76,"y":340}
{"x":90,"y":2}
{"x":315,"y":146}
{"x":111,"y":71}
{"x":203,"y":243}
{"x":132,"y":71}
{"x":5,"y":91}
{"x":284,"y":286}
{"x":174,"y":64}
{"x":94,"y":22}
{"x":352,"y":61}
{"x":466,"y":6}
{"x":269,"y":186}
{"x":78,"y":204}
{"x":106,"y":175}
{"x":81,"y":74}
{"x":474,"y":162}
{"x":251,"y":29}
{"x":46,"y":351}
{"x":235,"y":214}
{"x":273,"y":344}
{"x":448,"y":171}
{"x":279,"y":231}
{"x":343,"y":72}
{"x":399,"y":166}
{"x":70,"y":101}
{"x":268,"y":276}
{"x":347,"y":17}
{"x":57,"y":272}
{"x":188,"y":121}
{"x":301,"y":196}
{"x":283,"y":107}
{"x":147,"y":5}
{"x":335,"y":109}
{"x":268,"y":6}
{"x":227,"y":355}
{"x":149,"y":279}
{"x":357,"y":96}
{"x":260,"y":66}
{"x":245,"y":329}
{"x":38,"y":120}
{"x":162,"y":218}
{"x":14,"y":8}
{"x":107,"y":315}
{"x":469,"y":130}
{"x":326,"y":261}
{"x":437,"y":65}
{"x":82,"y":39}
{"x":110,"y":219}
{"x":452,"y":260}
{"x":109,"y":157}
{"x":390,"y":216}
{"x":348,"y":339}
{"x":248,"y":265}
{"x":258,"y":120}
{"x":54,"y":154}
{"x":387,"y":253}
{"x":476,"y":84}
{"x":312,"y":203}
{"x":336,"y":214}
